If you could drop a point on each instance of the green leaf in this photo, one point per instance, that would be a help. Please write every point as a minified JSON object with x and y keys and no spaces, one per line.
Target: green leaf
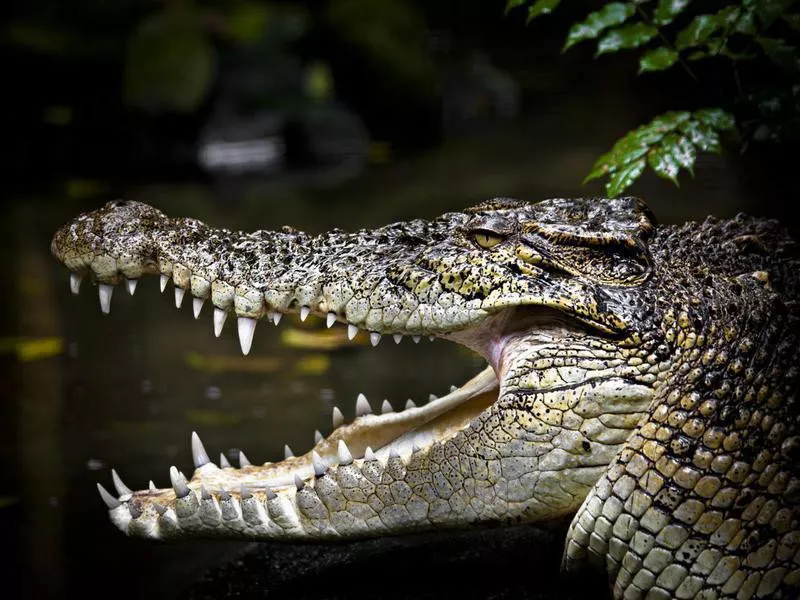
{"x":542,"y":7}
{"x":716,"y":118}
{"x":512,"y":4}
{"x":768,"y":10}
{"x":667,"y":10}
{"x":667,"y":144}
{"x":657,"y":59}
{"x":624,"y":178}
{"x":630,"y":36}
{"x":703,"y":26}
{"x":611,"y":15}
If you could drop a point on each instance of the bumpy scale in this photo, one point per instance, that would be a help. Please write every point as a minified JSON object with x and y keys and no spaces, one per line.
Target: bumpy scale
{"x":642,"y":377}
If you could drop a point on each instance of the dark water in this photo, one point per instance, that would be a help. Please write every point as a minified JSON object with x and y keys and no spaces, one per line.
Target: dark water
{"x":127,"y":389}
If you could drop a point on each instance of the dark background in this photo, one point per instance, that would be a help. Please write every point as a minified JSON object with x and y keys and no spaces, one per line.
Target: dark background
{"x":339,"y":113}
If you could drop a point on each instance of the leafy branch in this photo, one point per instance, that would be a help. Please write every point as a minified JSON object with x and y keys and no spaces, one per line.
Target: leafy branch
{"x":668,"y":32}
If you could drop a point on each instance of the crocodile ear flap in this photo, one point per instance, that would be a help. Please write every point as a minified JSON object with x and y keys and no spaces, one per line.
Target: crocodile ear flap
{"x":602,"y":239}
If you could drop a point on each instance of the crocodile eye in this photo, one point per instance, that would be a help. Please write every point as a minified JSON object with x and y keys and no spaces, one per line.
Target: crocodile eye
{"x":486,"y":239}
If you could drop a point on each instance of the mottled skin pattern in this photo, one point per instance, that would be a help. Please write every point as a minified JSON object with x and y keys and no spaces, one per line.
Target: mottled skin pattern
{"x":644,"y":376}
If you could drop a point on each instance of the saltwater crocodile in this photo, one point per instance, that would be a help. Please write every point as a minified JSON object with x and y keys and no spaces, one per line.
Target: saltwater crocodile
{"x":643,"y":377}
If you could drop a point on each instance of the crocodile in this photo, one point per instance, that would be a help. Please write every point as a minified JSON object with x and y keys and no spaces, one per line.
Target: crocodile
{"x":641,"y":381}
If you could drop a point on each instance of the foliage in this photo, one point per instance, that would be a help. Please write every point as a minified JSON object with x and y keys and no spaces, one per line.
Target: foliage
{"x":680,"y":32}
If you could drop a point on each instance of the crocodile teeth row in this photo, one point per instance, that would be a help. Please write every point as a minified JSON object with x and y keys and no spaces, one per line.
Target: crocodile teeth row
{"x":246,"y":325}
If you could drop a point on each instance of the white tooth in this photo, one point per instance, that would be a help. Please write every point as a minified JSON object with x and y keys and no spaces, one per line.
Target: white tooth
{"x":369,"y":454}
{"x":247,"y":327}
{"x":178,"y":482}
{"x":160,"y":509}
{"x":331,"y":319}
{"x":453,"y":388}
{"x":244,"y":492}
{"x":343,"y":453}
{"x":287,"y":452}
{"x":398,"y":337}
{"x":352,"y":330}
{"x":432,"y":397}
{"x":414,"y":447}
{"x":362,"y":406}
{"x":298,"y":482}
{"x":416,"y":338}
{"x":374,"y":338}
{"x":393,"y":451}
{"x":410,"y":404}
{"x":105,"y":291}
{"x":319,"y":464}
{"x":134,"y":511}
{"x":75,"y":284}
{"x":276,"y":318}
{"x":337,"y":416}
{"x":219,"y":320}
{"x":121,"y":488}
{"x":317,"y":437}
{"x":431,"y":337}
{"x":386,"y":407}
{"x":151,"y":486}
{"x":110,"y":501}
{"x":270,"y":494}
{"x":199,"y":454}
{"x":224,"y":463}
{"x":197,"y":306}
{"x":243,"y":461}
{"x":163,"y":282}
{"x":179,"y":292}
{"x":304,"y":312}
{"x":131,"y":285}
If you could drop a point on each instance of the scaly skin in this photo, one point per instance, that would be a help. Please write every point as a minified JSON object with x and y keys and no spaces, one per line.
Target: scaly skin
{"x":644,"y":376}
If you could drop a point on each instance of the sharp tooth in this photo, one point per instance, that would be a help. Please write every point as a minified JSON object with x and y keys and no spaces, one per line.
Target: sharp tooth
{"x":131,"y":285}
{"x":276,"y":318}
{"x":243,"y":462}
{"x":219,"y":320}
{"x":110,"y":501}
{"x":374,"y":338}
{"x":160,"y":509}
{"x":204,"y":493}
{"x":135,"y":511}
{"x":104,"y":291}
{"x":179,"y":292}
{"x":432,"y":397}
{"x":393,"y":451}
{"x":199,"y":454}
{"x":343,"y":453}
{"x":386,"y":407}
{"x":416,"y":338}
{"x":410,"y":404}
{"x":352,"y":331}
{"x":151,"y":486}
{"x":270,"y":494}
{"x":317,"y":437}
{"x":244,"y":492}
{"x":331,"y":319}
{"x":163,"y":282}
{"x":362,"y":406}
{"x":287,"y":452}
{"x":224,"y":495}
{"x":337,"y":417}
{"x":178,"y":482}
{"x":453,"y":388}
{"x":224,"y":463}
{"x":121,"y":488}
{"x":75,"y":283}
{"x":304,"y":312}
{"x":319,"y":465}
{"x":197,"y":306}
{"x":369,"y":454}
{"x":414,"y":447}
{"x":298,"y":482}
{"x":247,"y":327}
{"x":398,"y":337}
